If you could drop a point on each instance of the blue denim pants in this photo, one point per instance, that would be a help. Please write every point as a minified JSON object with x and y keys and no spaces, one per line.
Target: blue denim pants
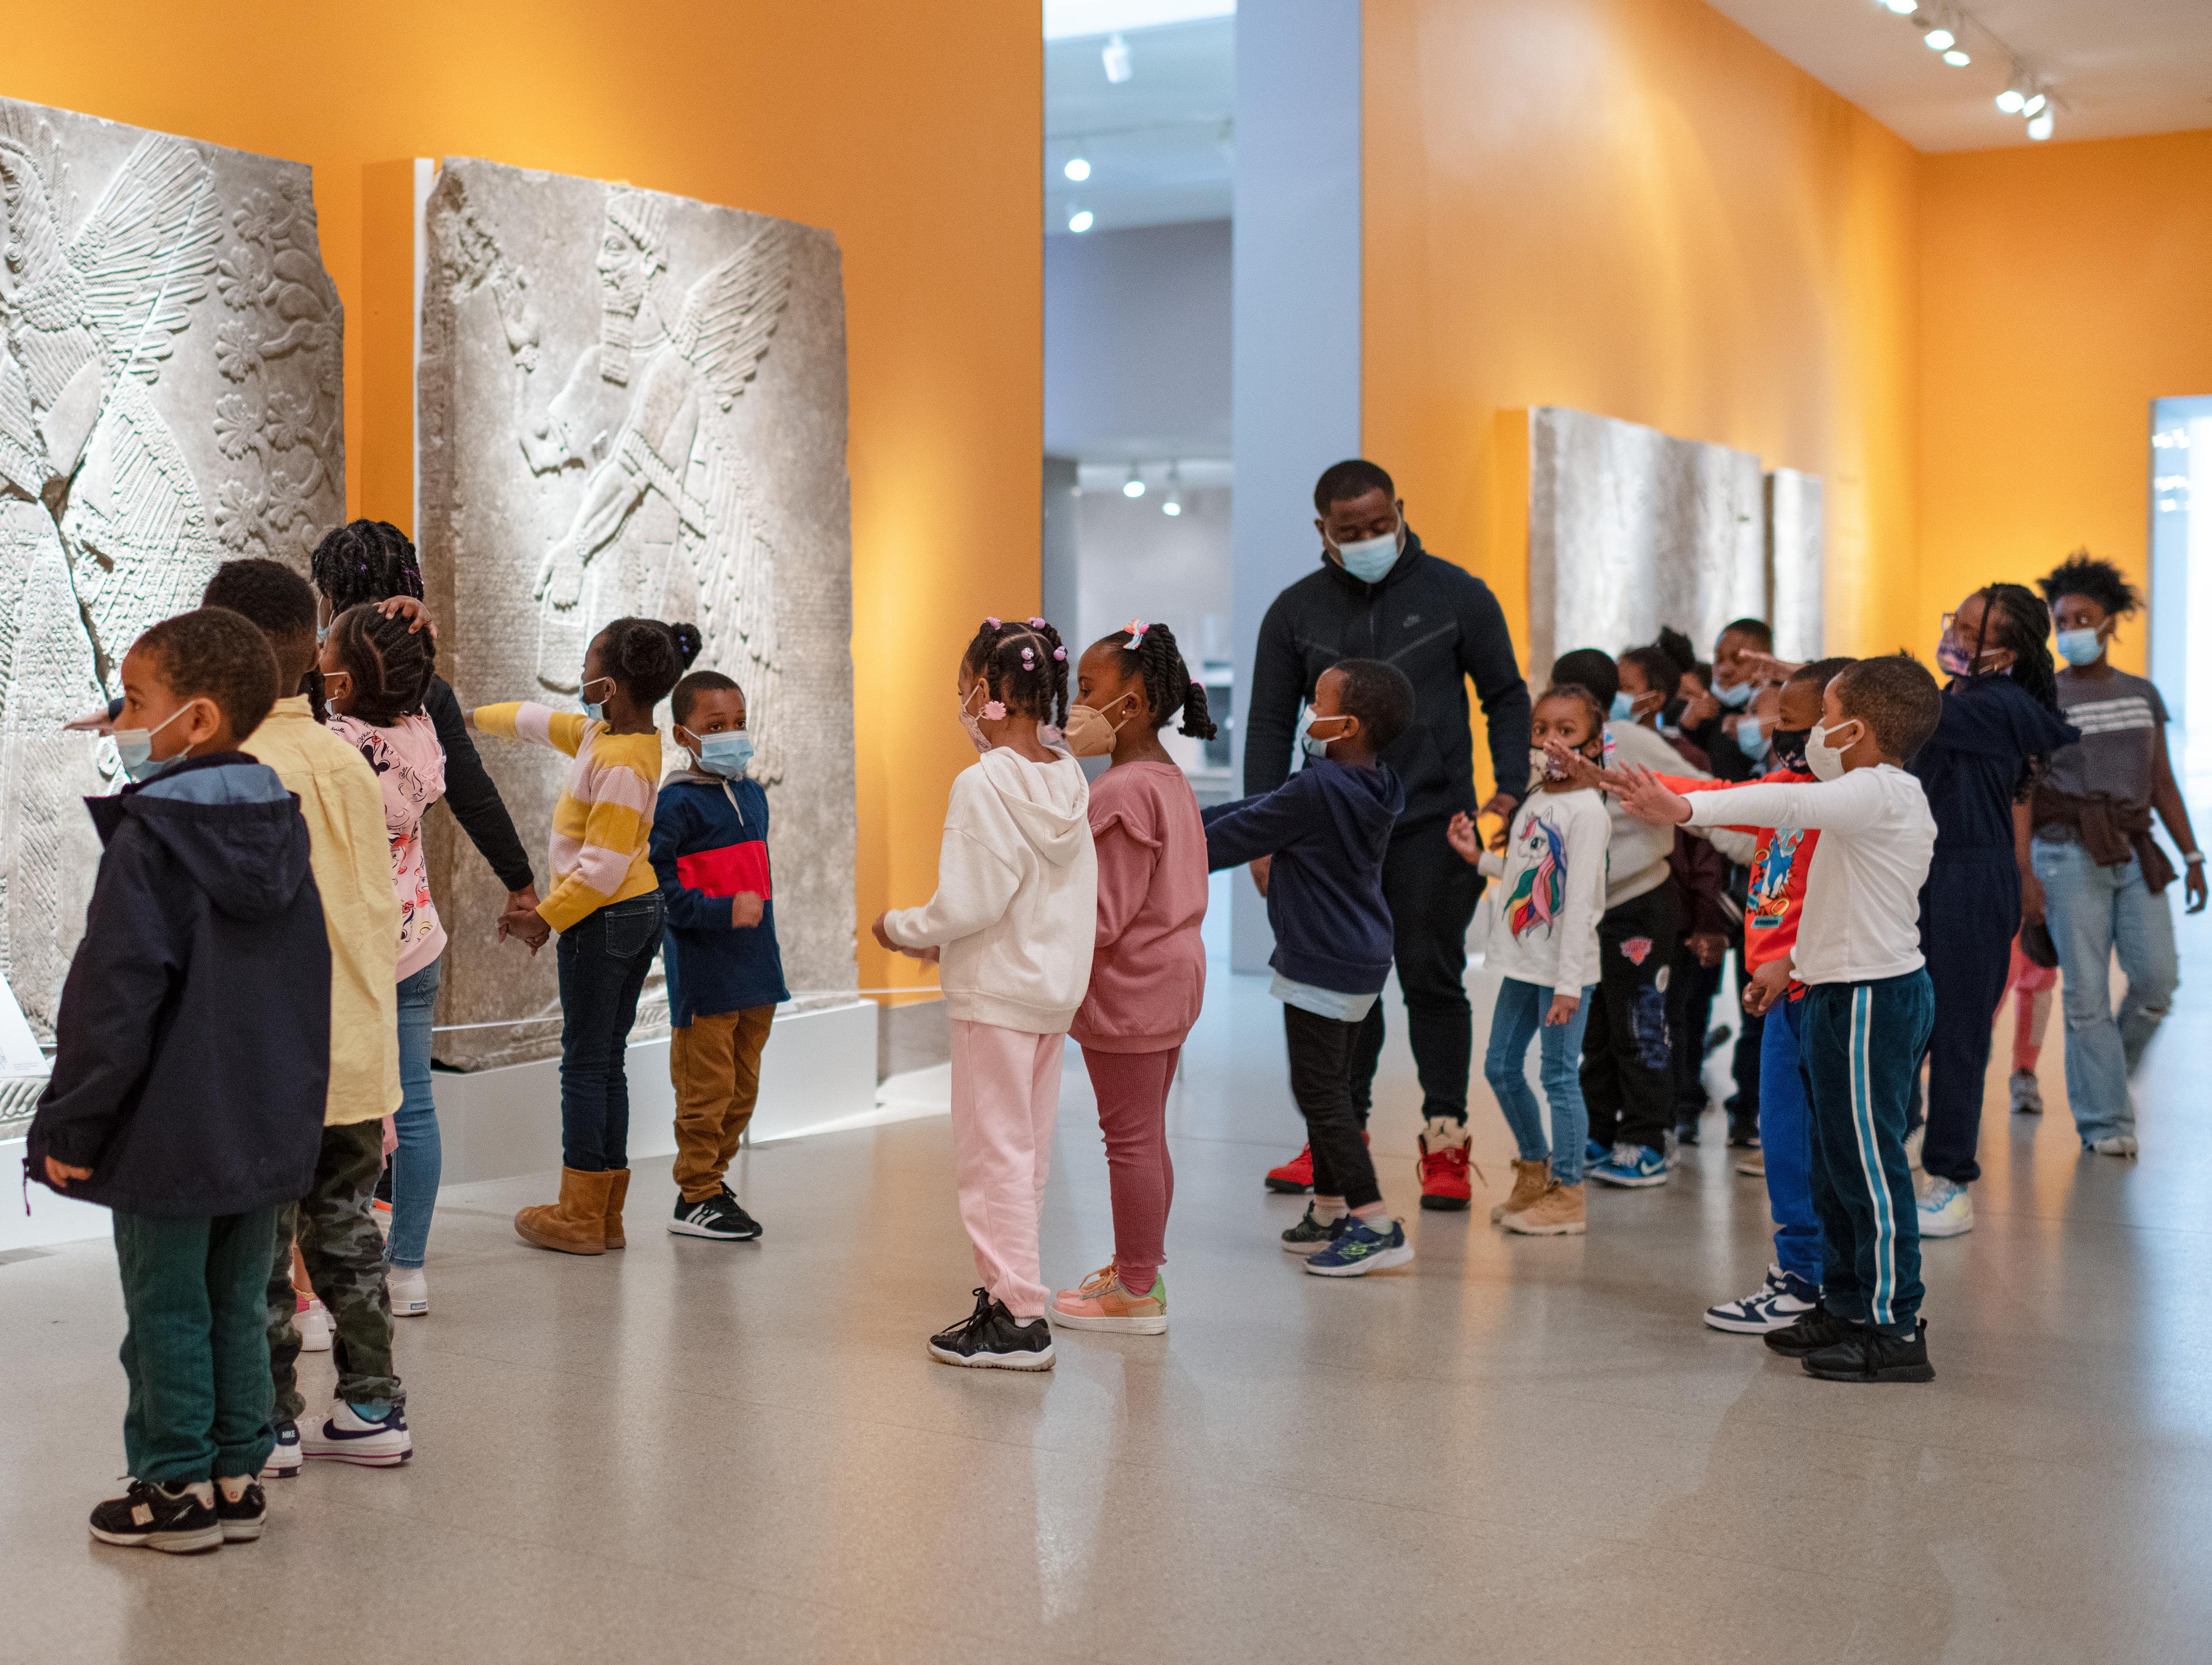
{"x":2092,"y":912}
{"x":1518,"y":1019}
{"x":416,"y":1162}
{"x":603,"y":961}
{"x":1785,"y":1139}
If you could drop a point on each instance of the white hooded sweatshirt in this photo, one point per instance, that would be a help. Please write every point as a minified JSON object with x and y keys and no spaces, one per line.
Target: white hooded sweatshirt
{"x":1016,"y":910}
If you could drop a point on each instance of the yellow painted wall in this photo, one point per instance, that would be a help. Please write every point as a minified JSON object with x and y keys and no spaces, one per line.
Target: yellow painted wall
{"x":911,"y":131}
{"x":2062,"y":289}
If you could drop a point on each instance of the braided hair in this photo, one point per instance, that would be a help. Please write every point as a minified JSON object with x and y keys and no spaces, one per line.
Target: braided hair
{"x":1168,"y":685}
{"x":2015,"y":617}
{"x":365,"y":560}
{"x":391,"y":664}
{"x":1023,"y":666}
{"x":647,"y":657}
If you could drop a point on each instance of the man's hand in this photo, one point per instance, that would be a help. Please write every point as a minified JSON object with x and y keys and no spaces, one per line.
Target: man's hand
{"x":1709,"y":946}
{"x":2194,"y":887}
{"x":93,"y":722}
{"x":1767,"y":985}
{"x":59,"y":1173}
{"x":2031,"y":899}
{"x":1260,"y":871}
{"x":1463,"y":838}
{"x":412,"y":609}
{"x":1563,"y":1008}
{"x":1645,"y":798}
{"x":745,"y":910}
{"x":1501,"y":805}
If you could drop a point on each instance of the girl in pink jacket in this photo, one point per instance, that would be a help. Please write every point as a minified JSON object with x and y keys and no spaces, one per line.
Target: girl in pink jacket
{"x":1148,"y":965}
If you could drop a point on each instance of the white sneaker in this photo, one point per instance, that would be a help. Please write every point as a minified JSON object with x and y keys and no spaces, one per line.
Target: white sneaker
{"x":1946,"y":1210}
{"x":2118,"y":1144}
{"x":410,"y":1295}
{"x":1781,"y":1301}
{"x":312,"y":1321}
{"x":285,"y":1460}
{"x":345,"y":1435}
{"x":2026,"y":1093}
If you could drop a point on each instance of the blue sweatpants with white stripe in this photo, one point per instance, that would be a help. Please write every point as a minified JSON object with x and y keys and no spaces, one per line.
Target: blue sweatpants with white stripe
{"x":1862,"y":1046}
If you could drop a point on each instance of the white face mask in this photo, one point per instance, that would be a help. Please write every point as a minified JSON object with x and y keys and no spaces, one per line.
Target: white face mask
{"x":1822,"y":755}
{"x":1368,"y":559}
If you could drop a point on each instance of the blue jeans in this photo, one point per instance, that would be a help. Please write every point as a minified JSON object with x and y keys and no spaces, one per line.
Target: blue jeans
{"x":1517,"y":1020}
{"x":603,"y":961}
{"x":415,"y":1162}
{"x":2092,"y":911}
{"x":1785,"y":1139}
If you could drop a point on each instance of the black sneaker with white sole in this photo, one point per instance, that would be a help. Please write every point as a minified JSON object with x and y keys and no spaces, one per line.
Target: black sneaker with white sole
{"x":717,"y":1217}
{"x":992,"y":1338}
{"x":243,"y":1517}
{"x":151,"y":1516}
{"x":752,"y":1227}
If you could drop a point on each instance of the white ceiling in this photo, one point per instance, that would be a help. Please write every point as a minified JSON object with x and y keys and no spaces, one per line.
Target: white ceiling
{"x":1161,"y":144}
{"x":2114,"y":66}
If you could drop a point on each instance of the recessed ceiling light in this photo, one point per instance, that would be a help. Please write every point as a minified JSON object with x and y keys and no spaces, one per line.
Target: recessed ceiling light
{"x":2012,"y":101}
{"x":2035,"y":104}
{"x":1956,"y":58}
{"x":1903,"y":7}
{"x":1080,"y":221}
{"x":2040,"y":128}
{"x":1078,"y":170}
{"x":1940,"y":39}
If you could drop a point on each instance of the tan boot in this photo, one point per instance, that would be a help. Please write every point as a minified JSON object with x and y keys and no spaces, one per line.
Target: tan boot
{"x":1557,"y":1213}
{"x":615,"y":1196}
{"x":577,"y":1225}
{"x":1529,"y":1179}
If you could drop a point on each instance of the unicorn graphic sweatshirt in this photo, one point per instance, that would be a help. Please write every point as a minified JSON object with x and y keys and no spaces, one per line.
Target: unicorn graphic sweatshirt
{"x":1552,"y":891}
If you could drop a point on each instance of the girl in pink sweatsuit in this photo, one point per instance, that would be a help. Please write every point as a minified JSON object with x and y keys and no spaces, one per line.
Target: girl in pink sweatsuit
{"x":1011,"y":927}
{"x":1148,"y":967}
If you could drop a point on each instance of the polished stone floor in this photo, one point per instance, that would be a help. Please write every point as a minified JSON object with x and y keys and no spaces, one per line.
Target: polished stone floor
{"x":1526,"y":1451}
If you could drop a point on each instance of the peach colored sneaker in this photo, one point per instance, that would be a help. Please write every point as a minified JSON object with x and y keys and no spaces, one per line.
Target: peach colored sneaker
{"x":1529,"y":1179}
{"x":1103,"y":1304}
{"x":1557,"y":1213}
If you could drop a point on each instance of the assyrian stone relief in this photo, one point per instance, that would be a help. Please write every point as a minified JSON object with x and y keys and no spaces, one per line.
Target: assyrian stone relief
{"x":170,"y":394}
{"x":1630,"y":530}
{"x":631,"y":402}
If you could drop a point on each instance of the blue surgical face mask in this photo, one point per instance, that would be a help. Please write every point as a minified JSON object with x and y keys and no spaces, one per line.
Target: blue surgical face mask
{"x":1369,"y":558}
{"x":595,"y":709}
{"x":135,"y":747}
{"x":1750,"y":734}
{"x":1735,"y":698}
{"x":725,"y":754}
{"x":1624,"y":708}
{"x":2080,"y":646}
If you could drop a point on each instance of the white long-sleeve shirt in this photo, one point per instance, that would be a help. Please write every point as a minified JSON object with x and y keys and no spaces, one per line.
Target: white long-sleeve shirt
{"x":1862,"y":918}
{"x":1553,"y":870}
{"x":1637,"y":863}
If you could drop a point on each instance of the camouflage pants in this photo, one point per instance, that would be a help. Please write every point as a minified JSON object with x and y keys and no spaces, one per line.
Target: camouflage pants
{"x":344,"y":1257}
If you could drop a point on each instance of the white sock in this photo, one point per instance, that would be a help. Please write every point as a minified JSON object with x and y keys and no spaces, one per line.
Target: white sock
{"x":1329,"y":1210}
{"x":1374,"y":1213}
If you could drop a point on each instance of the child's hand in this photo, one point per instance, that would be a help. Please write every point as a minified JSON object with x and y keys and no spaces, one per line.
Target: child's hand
{"x":526,"y":923}
{"x":1768,"y":984}
{"x":1581,"y":772}
{"x":1260,"y":871}
{"x":468,"y":718}
{"x":1462,"y":837}
{"x":1644,"y":797}
{"x":410,"y":607}
{"x":1709,"y":946}
{"x":1765,"y":667}
{"x":1563,"y":1008}
{"x":93,"y":722}
{"x":882,"y":936}
{"x":745,"y":910}
{"x":59,"y":1173}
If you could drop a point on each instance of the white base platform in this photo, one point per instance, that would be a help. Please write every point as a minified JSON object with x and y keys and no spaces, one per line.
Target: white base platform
{"x":817,"y":1075}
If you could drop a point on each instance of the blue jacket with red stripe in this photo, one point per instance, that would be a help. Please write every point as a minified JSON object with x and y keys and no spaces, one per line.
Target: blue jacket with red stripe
{"x":709,"y":843}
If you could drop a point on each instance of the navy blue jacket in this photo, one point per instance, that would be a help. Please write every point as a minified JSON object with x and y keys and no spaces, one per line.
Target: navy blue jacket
{"x":1972,"y":770}
{"x":709,"y":842}
{"x":194,"y":1024}
{"x":1327,"y":828}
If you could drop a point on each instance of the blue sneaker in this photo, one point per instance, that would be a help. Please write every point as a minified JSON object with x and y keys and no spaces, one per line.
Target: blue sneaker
{"x":1632,"y":1166}
{"x":1359,"y":1249}
{"x":1593,"y":1153}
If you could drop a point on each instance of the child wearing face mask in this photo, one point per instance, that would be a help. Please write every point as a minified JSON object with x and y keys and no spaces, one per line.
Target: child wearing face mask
{"x":1012,"y":927}
{"x":1148,"y":965}
{"x":709,"y":849}
{"x":1553,"y":872}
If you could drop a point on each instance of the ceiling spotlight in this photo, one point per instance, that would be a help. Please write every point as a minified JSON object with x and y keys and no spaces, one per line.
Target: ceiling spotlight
{"x":1956,"y":58}
{"x":1116,"y":57}
{"x":1940,"y":39}
{"x":1081,"y":221}
{"x":1133,"y":487}
{"x":1078,"y":170}
{"x":2012,"y":101}
{"x":1173,"y":506}
{"x":2038,"y":128}
{"x":1903,"y":7}
{"x":2035,"y":104}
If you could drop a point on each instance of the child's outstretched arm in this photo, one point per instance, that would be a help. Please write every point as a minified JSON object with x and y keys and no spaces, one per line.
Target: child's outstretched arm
{"x":1252,"y":827}
{"x":1851,"y":803}
{"x":527,"y":720}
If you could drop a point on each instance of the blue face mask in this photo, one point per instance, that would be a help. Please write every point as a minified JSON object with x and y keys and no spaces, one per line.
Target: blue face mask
{"x":1735,"y":698}
{"x":1370,"y":558}
{"x":727,"y":754}
{"x":1750,"y":737}
{"x":1316,"y":745}
{"x":135,"y":747}
{"x":1624,"y":708}
{"x":2080,"y":646}
{"x":595,"y":709}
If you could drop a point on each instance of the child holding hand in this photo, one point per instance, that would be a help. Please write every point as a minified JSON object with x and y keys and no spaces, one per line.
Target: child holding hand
{"x":1554,"y":867}
{"x":1011,"y":926}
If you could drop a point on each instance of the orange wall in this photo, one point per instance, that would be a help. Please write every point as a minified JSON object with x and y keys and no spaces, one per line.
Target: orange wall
{"x":911,"y":131}
{"x":1632,"y":207}
{"x":2062,"y":289}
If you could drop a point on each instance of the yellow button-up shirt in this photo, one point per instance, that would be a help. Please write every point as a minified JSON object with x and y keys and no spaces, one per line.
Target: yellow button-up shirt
{"x":351,"y":859}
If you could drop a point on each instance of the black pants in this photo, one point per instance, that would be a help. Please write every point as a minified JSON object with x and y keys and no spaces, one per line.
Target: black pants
{"x":1432,"y":893}
{"x":1690,"y":990}
{"x":1322,"y":1052}
{"x":603,"y":960}
{"x":1969,"y":914}
{"x":1628,"y":1065}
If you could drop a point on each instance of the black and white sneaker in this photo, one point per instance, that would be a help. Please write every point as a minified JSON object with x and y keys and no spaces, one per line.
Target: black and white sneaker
{"x":992,"y":1338}
{"x":151,"y":1516}
{"x":243,"y":1517}
{"x":717,"y":1217}
{"x":285,"y":1457}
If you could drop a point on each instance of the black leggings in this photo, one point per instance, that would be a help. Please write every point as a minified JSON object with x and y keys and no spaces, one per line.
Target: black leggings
{"x":1321,"y":1080}
{"x":1432,"y":893}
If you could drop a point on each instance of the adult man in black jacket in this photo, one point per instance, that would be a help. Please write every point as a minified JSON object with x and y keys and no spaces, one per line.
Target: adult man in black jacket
{"x":1380,"y":595}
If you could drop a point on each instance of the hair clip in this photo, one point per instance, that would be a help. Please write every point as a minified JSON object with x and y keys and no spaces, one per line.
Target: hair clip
{"x":992,"y":623}
{"x":1195,"y":682}
{"x":994,"y":711}
{"x":1029,"y":659}
{"x":1137,"y":627}
{"x":1036,"y":624}
{"x":1060,"y":654}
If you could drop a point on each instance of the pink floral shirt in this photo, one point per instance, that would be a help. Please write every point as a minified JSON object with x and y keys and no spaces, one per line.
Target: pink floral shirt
{"x":411,"y":767}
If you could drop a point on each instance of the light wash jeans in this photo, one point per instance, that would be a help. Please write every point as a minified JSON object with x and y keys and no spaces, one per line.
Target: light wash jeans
{"x":415,"y":1162}
{"x":2092,"y":911}
{"x":1517,"y":1021}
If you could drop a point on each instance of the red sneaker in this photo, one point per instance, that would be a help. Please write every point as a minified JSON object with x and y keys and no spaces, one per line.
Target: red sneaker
{"x":1295,"y":1177}
{"x":1443,"y":1165}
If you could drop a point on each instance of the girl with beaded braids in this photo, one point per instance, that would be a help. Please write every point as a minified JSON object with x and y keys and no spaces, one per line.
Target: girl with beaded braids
{"x":2000,"y":724}
{"x":1011,"y":927}
{"x":1148,"y":965}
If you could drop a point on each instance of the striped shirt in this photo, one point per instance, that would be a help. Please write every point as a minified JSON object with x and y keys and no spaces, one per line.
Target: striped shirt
{"x":603,"y":820}
{"x":2123,"y":721}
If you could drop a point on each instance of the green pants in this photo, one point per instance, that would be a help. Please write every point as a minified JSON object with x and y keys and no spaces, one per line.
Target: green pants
{"x":196,"y":1351}
{"x":345,"y":1256}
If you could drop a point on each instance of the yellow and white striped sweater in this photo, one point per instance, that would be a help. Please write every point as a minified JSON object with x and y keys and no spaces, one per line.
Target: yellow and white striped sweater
{"x":604,"y":819}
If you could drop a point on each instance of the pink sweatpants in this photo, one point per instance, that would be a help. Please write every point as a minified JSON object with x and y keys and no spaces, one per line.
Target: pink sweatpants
{"x":1006,"y":1093}
{"x":1132,"y":1088}
{"x":2030,"y":984}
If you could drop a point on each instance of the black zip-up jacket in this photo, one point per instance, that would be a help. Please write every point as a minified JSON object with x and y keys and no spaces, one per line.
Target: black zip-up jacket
{"x":194,"y":1032}
{"x":1438,"y":623}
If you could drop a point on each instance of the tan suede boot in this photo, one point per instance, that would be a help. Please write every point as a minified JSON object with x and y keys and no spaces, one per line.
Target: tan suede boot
{"x":1558,"y":1213}
{"x":1529,"y":1179}
{"x":620,"y":1189}
{"x":577,"y":1225}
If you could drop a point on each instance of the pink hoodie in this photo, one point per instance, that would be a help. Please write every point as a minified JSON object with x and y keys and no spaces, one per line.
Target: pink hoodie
{"x":410,"y":767}
{"x":1148,"y":971}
